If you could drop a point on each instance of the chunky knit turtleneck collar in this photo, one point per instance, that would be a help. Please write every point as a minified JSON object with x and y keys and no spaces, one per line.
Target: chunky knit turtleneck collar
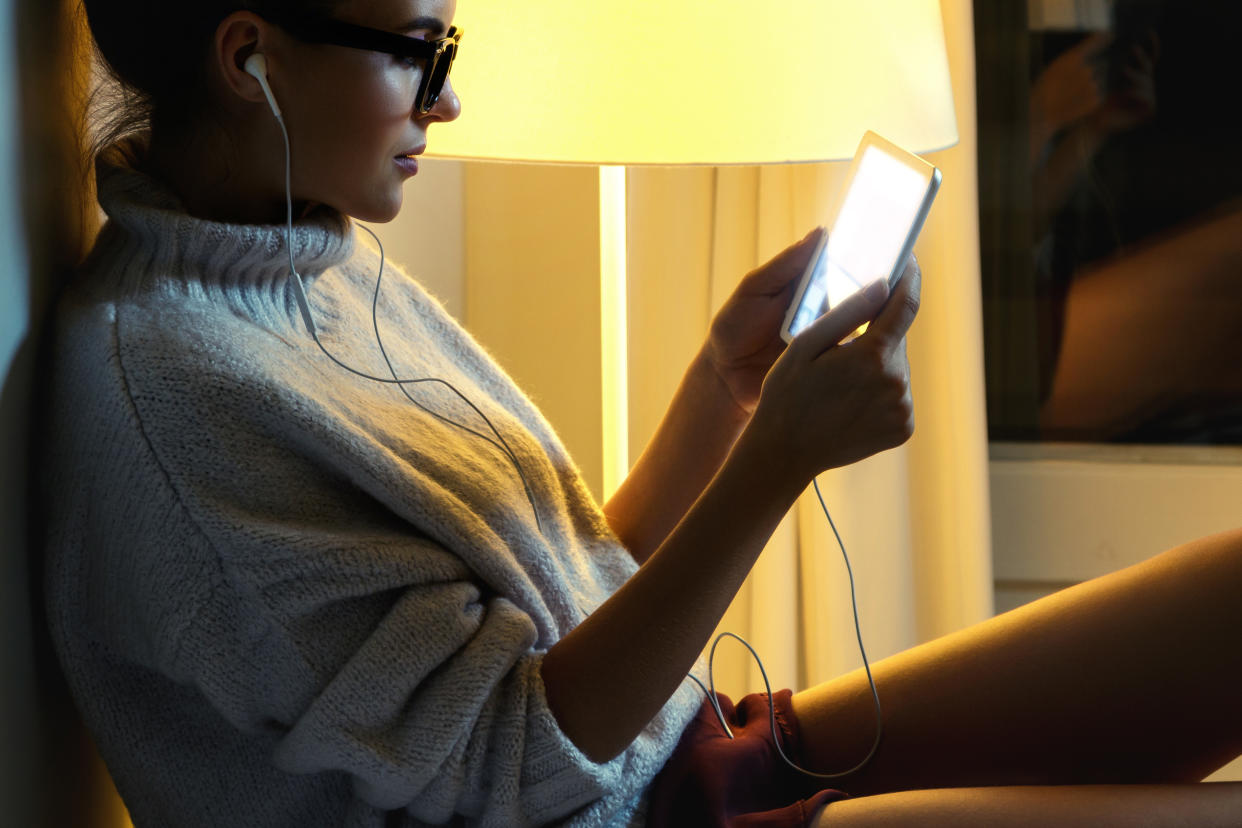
{"x":154,"y":237}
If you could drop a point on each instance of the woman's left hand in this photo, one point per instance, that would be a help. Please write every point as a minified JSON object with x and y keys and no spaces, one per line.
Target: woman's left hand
{"x":744,"y":340}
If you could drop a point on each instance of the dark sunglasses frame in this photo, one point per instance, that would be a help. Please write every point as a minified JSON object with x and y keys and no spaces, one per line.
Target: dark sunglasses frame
{"x":437,"y":55}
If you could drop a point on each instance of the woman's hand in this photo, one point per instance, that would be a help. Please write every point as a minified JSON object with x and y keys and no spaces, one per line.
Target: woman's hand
{"x":821,"y":405}
{"x":827,"y":404}
{"x":744,"y":341}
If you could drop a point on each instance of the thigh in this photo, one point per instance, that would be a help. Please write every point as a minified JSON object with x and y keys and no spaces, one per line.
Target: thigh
{"x":1133,"y":677}
{"x":1139,"y":806}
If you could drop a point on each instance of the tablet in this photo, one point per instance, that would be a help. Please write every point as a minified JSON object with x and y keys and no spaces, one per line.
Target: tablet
{"x":871,"y":233}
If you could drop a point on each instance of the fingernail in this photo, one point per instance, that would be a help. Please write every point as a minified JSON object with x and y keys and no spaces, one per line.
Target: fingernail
{"x":877,"y":291}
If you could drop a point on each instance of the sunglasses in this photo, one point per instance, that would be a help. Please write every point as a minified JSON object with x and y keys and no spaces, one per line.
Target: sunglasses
{"x":436,"y":56}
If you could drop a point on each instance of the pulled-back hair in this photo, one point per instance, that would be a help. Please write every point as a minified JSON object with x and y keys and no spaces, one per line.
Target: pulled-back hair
{"x":155,"y":52}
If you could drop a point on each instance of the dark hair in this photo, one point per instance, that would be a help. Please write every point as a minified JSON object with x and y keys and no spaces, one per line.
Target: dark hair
{"x":155,"y":52}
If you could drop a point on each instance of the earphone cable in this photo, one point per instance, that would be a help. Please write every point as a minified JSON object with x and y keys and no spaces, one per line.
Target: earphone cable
{"x":303,"y":302}
{"x":875,"y":695}
{"x":379,"y":340}
{"x":299,"y":291}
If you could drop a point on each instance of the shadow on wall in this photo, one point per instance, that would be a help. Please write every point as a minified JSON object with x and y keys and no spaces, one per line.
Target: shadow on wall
{"x":49,"y":764}
{"x":51,"y":773}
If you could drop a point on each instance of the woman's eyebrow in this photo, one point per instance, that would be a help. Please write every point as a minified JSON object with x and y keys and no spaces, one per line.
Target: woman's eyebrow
{"x":434,"y":25}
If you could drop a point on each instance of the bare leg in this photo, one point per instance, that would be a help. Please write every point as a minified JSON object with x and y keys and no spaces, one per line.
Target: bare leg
{"x":1135,"y":677}
{"x":1135,"y":806}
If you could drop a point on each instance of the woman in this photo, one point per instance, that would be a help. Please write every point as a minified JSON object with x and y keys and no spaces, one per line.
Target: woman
{"x":285,"y":593}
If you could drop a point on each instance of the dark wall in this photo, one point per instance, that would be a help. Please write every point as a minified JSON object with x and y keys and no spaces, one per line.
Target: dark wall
{"x":49,"y":773}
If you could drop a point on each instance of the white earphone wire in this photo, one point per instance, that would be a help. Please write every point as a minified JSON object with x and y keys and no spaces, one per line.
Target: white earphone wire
{"x":875,"y":695}
{"x":299,"y":292}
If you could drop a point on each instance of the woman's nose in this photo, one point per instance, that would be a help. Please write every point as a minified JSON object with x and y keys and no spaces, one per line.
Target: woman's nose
{"x":448,"y":106}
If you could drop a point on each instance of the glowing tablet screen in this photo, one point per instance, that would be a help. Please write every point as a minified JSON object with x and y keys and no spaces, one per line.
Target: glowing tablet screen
{"x":879,"y":211}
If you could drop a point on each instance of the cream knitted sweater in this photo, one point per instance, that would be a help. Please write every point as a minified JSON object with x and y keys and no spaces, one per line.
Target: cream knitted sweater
{"x":284,"y":595}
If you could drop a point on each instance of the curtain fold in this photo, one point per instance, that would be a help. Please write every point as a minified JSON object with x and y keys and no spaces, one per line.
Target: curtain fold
{"x":915,"y":520}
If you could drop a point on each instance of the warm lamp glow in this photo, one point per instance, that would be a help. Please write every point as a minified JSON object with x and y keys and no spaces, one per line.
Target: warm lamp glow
{"x":626,"y":82}
{"x":613,"y":323}
{"x":697,"y":81}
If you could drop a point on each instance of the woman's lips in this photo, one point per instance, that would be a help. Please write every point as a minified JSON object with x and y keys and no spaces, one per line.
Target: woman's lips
{"x":408,"y":164}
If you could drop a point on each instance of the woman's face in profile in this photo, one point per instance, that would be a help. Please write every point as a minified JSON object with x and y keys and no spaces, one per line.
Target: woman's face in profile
{"x":354,"y":126}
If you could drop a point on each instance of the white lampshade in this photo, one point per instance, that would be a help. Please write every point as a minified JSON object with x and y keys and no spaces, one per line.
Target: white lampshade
{"x":696,"y":81}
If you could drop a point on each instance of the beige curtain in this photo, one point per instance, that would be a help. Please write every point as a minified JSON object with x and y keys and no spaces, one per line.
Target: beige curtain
{"x":915,"y":520}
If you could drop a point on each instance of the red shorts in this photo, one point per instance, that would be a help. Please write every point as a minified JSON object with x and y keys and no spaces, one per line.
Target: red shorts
{"x":713,"y":781}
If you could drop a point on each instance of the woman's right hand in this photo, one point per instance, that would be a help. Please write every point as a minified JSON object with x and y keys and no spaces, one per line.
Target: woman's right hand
{"x":827,"y":404}
{"x":821,"y":405}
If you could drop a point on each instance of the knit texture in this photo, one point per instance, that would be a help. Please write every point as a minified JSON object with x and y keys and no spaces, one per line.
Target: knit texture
{"x":284,"y":595}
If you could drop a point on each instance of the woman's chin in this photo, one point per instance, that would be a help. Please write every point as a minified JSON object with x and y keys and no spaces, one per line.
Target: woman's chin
{"x":376,"y":212}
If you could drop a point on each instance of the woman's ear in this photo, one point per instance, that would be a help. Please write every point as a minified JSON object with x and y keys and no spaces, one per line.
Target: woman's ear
{"x":239,"y":36}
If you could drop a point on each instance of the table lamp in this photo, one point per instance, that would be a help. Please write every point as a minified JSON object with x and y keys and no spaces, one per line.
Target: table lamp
{"x":706,"y":82}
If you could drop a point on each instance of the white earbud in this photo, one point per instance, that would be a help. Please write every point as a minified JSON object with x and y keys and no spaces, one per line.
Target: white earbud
{"x":256,"y":66}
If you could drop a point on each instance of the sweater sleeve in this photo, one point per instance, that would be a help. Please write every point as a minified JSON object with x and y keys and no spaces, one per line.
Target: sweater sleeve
{"x":385,"y":662}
